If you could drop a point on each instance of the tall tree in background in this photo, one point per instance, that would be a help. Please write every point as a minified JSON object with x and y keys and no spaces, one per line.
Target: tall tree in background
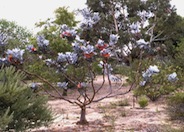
{"x":51,"y":28}
{"x":137,"y":22}
{"x":11,"y":36}
{"x":14,"y":34}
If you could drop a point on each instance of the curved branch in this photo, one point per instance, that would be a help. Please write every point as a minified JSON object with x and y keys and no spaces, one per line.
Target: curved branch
{"x":45,"y":81}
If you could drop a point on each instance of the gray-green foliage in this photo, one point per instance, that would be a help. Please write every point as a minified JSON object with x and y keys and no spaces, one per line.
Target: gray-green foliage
{"x":20,"y":108}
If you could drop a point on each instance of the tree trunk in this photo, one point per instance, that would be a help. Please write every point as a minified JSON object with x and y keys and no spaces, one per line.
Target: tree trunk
{"x":64,"y":92}
{"x":83,"y":120}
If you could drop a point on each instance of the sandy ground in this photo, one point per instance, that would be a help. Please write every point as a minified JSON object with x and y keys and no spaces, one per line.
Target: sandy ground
{"x":109,"y":115}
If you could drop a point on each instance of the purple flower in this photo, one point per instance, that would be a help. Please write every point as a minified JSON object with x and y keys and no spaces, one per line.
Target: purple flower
{"x":61,"y":57}
{"x":30,"y":48}
{"x":95,"y":17}
{"x":88,"y":49}
{"x":67,"y":32}
{"x":135,"y":28}
{"x":142,"y":43}
{"x":71,"y":57}
{"x":105,"y":53}
{"x":89,"y":19}
{"x":42,"y":42}
{"x":62,"y":85}
{"x":113,"y":39}
{"x":148,"y":73}
{"x":3,"y":39}
{"x":49,"y":62}
{"x":34,"y":85}
{"x":172,"y":77}
{"x":15,"y":55}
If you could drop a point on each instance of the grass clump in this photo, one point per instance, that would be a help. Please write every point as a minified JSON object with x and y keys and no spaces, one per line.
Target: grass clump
{"x":143,"y":101}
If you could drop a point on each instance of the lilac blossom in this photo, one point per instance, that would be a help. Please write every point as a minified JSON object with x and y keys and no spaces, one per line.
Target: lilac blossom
{"x":86,"y":13}
{"x":81,"y":41}
{"x":30,"y":48}
{"x":88,"y":49}
{"x":81,"y":85}
{"x":67,"y":57}
{"x":142,"y":43}
{"x":3,"y":61}
{"x":95,"y":17}
{"x":76,"y":47}
{"x":101,"y":64}
{"x":145,"y":15}
{"x":113,"y":39}
{"x":71,"y":57}
{"x":172,"y":77}
{"x":62,"y":85}
{"x":3,"y":40}
{"x":49,"y":62}
{"x":34,"y":85}
{"x":61,"y":57}
{"x":67,"y":32}
{"x":42,"y":42}
{"x":101,"y":4}
{"x":149,"y":72}
{"x":106,"y":67}
{"x":89,"y":18}
{"x":16,"y":54}
{"x":142,"y":83}
{"x":100,"y":42}
{"x":114,"y":78}
{"x":86,"y":24}
{"x":135,"y":28}
{"x":105,"y":52}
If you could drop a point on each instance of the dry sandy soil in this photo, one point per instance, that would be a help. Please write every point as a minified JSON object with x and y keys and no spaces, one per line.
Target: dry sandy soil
{"x":109,"y":115}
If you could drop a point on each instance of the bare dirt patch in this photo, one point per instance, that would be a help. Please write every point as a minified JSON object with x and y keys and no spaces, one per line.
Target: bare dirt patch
{"x":109,"y":115}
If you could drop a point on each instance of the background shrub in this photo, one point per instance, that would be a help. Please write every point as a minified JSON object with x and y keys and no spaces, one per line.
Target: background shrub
{"x":176,"y":106}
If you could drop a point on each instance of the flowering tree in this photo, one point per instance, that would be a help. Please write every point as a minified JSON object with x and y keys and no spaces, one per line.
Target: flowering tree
{"x":140,"y":23}
{"x":77,"y":65}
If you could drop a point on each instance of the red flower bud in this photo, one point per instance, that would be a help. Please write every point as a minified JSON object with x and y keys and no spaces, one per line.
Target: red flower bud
{"x":88,"y":55}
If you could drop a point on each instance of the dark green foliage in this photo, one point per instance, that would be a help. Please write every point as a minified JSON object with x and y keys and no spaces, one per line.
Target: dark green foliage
{"x":179,"y":55}
{"x":37,"y":66}
{"x":20,"y":108}
{"x":166,"y":36}
{"x":63,"y":16}
{"x":176,"y":106}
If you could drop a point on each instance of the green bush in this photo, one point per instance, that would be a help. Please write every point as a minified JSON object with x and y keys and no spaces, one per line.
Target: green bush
{"x":143,"y":101}
{"x":20,"y":107}
{"x":158,"y":84}
{"x":176,"y":106}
